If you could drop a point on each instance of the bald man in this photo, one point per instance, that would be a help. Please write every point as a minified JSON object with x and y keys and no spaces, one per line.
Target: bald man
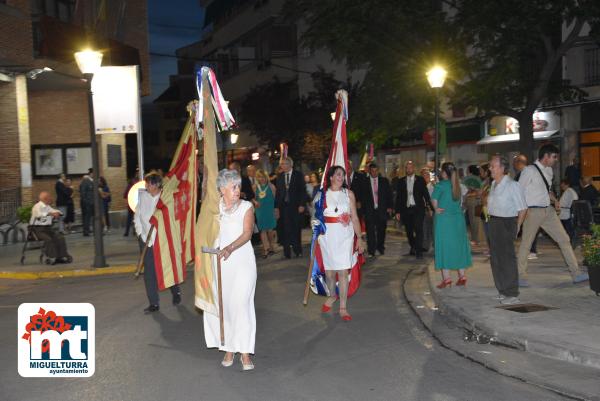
{"x":42,"y":215}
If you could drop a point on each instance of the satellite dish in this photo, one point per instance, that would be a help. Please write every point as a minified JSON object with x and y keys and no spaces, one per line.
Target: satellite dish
{"x":133,"y":194}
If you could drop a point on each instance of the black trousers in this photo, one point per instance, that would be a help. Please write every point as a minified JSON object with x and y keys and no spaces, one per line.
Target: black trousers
{"x":290,"y":221}
{"x":54,"y":243}
{"x":412,"y":218}
{"x":568,"y":225}
{"x":376,"y":223}
{"x":150,"y":277}
{"x":503,"y":260}
{"x":129,"y":221}
{"x":87,"y":212}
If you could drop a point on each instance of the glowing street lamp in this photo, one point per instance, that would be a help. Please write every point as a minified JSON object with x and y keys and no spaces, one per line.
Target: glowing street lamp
{"x":436,"y":78}
{"x":89,"y":61}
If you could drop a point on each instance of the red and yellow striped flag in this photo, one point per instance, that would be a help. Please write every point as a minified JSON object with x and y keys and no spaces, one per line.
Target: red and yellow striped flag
{"x":175,"y":213}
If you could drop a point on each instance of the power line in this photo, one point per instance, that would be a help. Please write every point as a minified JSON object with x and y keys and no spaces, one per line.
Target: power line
{"x":268,"y":62}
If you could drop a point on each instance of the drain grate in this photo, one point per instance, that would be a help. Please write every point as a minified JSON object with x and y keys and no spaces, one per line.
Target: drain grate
{"x":526,"y":308}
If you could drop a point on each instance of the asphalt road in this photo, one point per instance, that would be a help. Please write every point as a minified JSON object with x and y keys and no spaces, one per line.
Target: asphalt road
{"x":301,"y":354}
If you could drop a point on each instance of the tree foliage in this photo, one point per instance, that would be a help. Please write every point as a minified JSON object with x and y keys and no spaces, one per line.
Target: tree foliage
{"x":503,"y":57}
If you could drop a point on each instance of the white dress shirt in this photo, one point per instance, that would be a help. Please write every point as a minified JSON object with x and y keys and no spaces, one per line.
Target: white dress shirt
{"x":40,"y":214}
{"x":536,"y":192}
{"x":374,"y":183}
{"x":506,"y":199}
{"x":143,"y":212}
{"x":566,"y":201}
{"x":410,"y":185}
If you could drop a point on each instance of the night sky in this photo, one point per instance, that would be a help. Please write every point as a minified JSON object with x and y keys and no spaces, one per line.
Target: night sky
{"x":172,"y":24}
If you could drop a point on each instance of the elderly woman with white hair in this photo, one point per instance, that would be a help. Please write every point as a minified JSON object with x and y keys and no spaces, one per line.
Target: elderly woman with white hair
{"x":238,"y":266}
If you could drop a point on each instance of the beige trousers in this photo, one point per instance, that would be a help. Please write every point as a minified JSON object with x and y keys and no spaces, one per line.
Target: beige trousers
{"x":547,"y":219}
{"x":475,"y":225}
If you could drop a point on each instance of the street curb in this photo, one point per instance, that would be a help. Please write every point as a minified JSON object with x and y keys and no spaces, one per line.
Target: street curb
{"x":527,"y":344}
{"x":122,"y":269}
{"x":509,"y":362}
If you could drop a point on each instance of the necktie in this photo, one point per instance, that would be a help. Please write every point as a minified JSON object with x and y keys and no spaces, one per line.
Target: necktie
{"x":375,"y":192}
{"x":287,"y":186}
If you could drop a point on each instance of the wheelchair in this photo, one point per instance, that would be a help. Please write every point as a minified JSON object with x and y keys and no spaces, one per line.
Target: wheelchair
{"x":32,"y":242}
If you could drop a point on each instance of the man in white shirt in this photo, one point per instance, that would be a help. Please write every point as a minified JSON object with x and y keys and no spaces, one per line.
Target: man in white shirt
{"x":147,"y":201}
{"x":507,"y":209}
{"x":566,"y":201}
{"x":536,"y":181}
{"x":42,"y":215}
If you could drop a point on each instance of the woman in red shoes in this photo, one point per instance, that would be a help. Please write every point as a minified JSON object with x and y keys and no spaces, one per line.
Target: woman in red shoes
{"x":337,"y":244}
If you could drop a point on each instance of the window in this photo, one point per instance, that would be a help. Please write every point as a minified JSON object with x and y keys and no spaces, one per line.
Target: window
{"x":592,"y":67}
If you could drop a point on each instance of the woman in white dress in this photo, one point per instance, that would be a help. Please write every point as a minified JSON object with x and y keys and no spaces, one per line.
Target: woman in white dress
{"x":337,"y":244}
{"x":238,"y":266}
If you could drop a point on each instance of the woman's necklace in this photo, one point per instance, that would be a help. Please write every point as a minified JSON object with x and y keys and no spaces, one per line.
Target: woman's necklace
{"x":262,"y":192}
{"x":336,"y":202}
{"x":232,"y":209}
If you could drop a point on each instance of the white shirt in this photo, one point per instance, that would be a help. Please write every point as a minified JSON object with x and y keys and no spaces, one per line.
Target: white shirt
{"x":373,"y":183}
{"x":143,"y":212}
{"x":40,"y":214}
{"x":506,"y":199}
{"x":566,"y":201}
{"x":536,"y":192}
{"x":410,"y":184}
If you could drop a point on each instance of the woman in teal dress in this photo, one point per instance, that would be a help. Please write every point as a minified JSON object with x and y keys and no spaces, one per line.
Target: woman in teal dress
{"x":452,"y":248}
{"x":265,"y":212}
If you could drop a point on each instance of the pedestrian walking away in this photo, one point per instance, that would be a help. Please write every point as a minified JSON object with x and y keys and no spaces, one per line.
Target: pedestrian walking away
{"x":62,"y":201}
{"x":238,"y":266}
{"x":290,"y":203}
{"x":147,"y":200}
{"x":452,"y":249}
{"x":567,"y":197}
{"x":412,"y":204}
{"x":377,"y":204}
{"x":536,"y":182}
{"x":507,"y":209}
{"x":87,"y":191}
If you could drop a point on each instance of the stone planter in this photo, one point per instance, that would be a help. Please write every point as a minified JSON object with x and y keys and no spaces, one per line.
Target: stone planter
{"x":594,"y":272}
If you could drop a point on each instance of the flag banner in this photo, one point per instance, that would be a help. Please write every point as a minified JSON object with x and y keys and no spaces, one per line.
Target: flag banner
{"x":283,"y":150}
{"x":338,"y":156}
{"x":173,"y":220}
{"x":221,"y":114}
{"x":207,"y":225}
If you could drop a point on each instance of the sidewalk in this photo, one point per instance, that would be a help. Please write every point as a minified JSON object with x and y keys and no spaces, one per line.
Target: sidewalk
{"x":121,"y":255}
{"x":569,"y":333}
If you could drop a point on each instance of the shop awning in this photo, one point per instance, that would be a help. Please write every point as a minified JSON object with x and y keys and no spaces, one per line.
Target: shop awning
{"x":515,"y":137}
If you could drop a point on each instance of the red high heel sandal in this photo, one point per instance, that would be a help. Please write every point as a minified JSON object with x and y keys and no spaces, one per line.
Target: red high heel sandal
{"x":445,"y":283}
{"x":462,"y":280}
{"x":325,"y":308}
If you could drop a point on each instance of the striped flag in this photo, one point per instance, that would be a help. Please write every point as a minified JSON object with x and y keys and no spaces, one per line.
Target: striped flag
{"x":207,"y":225}
{"x":338,"y":156}
{"x":173,"y":220}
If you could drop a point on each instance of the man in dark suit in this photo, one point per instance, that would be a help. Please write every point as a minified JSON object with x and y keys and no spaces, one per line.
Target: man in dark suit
{"x":377,"y":204}
{"x":412,"y":202}
{"x":246,"y":191}
{"x":290,"y":203}
{"x":358,"y":181}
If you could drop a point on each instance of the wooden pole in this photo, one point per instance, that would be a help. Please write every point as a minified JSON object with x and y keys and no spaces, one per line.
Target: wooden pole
{"x":143,"y":254}
{"x":220,"y":295}
{"x":309,"y":274}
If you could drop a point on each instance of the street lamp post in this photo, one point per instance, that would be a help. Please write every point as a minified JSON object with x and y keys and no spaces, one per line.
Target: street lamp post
{"x":436,"y":77}
{"x":88,"y":62}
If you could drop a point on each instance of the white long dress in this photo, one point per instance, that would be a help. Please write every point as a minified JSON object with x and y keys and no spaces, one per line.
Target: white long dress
{"x":239,"y":282}
{"x":337,"y":244}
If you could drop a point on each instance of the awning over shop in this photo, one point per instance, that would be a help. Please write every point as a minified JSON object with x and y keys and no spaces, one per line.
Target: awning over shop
{"x":515,"y":137}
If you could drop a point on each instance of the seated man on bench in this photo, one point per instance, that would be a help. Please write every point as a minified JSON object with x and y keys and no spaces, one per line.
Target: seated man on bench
{"x":42,"y":215}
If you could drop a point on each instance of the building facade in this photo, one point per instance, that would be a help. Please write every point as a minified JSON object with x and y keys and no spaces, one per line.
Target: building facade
{"x":44,"y":124}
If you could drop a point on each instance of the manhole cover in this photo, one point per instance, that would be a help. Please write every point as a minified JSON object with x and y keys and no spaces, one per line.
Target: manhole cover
{"x":526,"y":308}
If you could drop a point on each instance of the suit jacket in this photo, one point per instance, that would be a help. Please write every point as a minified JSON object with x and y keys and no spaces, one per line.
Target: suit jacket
{"x":384,"y":195}
{"x":246,"y":189}
{"x":420,"y":195}
{"x":297,"y":190}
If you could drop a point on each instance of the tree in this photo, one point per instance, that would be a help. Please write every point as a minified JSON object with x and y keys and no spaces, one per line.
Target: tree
{"x":274,"y":113}
{"x":503,"y":57}
{"x":513,"y":52}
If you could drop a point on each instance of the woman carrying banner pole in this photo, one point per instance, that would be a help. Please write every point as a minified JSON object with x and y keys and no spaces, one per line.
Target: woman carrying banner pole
{"x":338,"y":242}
